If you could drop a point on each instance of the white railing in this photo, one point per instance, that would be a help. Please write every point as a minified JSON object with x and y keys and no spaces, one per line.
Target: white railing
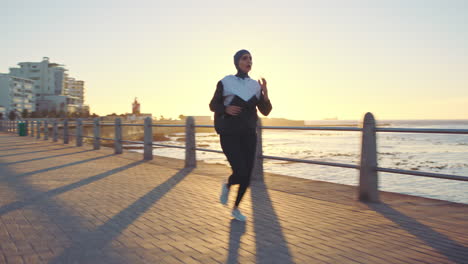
{"x":368,"y":169}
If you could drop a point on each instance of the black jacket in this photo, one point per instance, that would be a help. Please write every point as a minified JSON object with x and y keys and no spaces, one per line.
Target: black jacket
{"x":245,"y":122}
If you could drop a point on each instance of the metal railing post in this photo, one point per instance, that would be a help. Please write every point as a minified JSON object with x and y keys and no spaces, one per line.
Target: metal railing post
{"x":118,"y":136}
{"x":65,"y":131}
{"x":97,"y":134}
{"x":26,"y":125}
{"x":79,"y":132}
{"x":190,"y":153}
{"x":257,"y":171}
{"x":368,"y":176}
{"x":32,"y":128}
{"x":46,"y":129}
{"x":55,"y":131}
{"x":148,"y":139}
{"x":38,"y":132}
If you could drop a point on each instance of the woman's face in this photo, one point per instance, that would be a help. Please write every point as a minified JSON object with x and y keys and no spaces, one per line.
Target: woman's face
{"x":245,"y":63}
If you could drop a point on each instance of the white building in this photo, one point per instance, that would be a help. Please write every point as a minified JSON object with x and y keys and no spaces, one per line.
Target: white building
{"x":16,"y":94}
{"x":74,"y":88}
{"x":53,"y":88}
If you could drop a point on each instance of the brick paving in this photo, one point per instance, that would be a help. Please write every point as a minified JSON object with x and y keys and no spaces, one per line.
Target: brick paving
{"x":66,"y":204}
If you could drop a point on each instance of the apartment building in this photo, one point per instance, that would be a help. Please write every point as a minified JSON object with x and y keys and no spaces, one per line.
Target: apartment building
{"x":16,"y":94}
{"x":53,"y":88}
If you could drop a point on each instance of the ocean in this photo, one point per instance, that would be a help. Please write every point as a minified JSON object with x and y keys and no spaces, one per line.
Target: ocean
{"x":440,"y":153}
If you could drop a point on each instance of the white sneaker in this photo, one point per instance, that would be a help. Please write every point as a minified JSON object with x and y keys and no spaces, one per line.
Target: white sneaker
{"x":238,"y":216}
{"x":224,"y":194}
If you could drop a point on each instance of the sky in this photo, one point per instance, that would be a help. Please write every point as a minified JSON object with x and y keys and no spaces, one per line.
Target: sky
{"x":321,"y":59}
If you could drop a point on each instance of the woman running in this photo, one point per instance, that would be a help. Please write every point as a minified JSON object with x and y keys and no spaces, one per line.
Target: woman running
{"x":234,"y":104}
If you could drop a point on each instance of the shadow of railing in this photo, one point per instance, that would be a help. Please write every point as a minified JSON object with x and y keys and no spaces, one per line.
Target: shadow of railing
{"x":444,"y":245}
{"x":33,"y":152}
{"x":26,"y":174}
{"x":45,"y":204}
{"x":24,"y":146}
{"x":40,"y":197}
{"x":47,"y":157}
{"x":89,"y":248}
{"x":271,"y":245}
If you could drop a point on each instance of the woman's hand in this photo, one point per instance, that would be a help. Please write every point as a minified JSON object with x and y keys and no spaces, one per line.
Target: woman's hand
{"x":263,"y":85}
{"x":233,"y":110}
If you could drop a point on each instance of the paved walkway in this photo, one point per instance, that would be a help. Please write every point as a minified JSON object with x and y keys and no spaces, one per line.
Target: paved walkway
{"x":66,"y":204}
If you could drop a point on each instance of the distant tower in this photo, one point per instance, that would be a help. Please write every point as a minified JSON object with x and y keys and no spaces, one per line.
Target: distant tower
{"x":136,"y":107}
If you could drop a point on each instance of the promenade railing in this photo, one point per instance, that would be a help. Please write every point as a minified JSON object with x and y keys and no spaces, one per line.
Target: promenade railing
{"x":367,"y":167}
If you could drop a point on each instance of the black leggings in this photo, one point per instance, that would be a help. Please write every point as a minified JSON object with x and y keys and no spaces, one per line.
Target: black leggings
{"x":240,"y":152}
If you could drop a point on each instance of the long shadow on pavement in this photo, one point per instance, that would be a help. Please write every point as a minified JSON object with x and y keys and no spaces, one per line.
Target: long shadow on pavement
{"x":90,"y":248}
{"x":269,"y":238}
{"x":32,"y":152}
{"x":10,"y":143}
{"x":271,"y":245}
{"x":59,"y":167}
{"x":39,"y":197}
{"x":70,"y":224}
{"x":237,"y":230}
{"x":47,"y":157}
{"x":26,"y":146}
{"x":440,"y":242}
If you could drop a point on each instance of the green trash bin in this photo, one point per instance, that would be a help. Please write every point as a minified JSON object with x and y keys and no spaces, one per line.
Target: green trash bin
{"x":22,"y":129}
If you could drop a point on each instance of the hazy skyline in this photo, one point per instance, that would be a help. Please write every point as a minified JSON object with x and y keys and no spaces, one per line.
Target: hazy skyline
{"x":397,"y":59}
